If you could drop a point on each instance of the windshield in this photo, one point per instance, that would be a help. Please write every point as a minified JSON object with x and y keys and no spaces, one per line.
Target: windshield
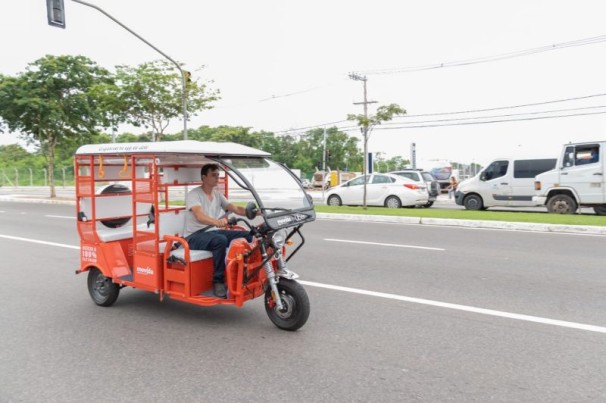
{"x":274,"y":184}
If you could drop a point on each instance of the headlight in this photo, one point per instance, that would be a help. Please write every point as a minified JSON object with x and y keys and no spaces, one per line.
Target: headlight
{"x":279,"y":238}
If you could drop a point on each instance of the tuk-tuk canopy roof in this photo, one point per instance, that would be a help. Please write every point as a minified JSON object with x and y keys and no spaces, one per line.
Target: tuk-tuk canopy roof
{"x":206,"y":148}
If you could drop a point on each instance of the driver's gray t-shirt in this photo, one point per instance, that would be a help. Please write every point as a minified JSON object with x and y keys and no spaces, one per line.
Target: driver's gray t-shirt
{"x":214,"y":208}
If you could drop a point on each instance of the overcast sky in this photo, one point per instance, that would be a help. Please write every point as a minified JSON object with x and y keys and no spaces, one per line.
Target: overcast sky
{"x":284,"y":65}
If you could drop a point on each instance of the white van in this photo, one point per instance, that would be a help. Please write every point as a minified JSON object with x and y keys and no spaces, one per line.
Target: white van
{"x":577,"y":180}
{"x":504,"y":182}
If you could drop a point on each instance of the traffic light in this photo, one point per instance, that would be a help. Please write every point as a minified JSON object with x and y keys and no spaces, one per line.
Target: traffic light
{"x":328,"y":154}
{"x":56,"y":13}
{"x":187,"y":76}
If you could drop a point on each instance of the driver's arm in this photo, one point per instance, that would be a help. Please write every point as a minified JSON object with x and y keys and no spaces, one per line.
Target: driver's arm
{"x":206,"y":219}
{"x":239,"y":210}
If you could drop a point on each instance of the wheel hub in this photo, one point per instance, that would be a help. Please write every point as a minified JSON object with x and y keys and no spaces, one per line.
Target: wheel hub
{"x":101,"y":285}
{"x":288,"y":303}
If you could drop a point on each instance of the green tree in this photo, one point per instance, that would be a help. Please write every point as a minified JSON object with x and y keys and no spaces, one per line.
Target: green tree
{"x":51,"y":103}
{"x":151,"y":94}
{"x":367,"y":122}
{"x":341,"y":150}
{"x":396,"y":163}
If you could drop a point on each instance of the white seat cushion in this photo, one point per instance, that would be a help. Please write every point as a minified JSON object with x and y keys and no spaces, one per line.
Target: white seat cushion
{"x":195,"y":255}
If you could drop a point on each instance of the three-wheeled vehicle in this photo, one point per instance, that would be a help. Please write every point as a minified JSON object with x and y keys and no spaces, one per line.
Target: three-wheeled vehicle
{"x":131,"y":213}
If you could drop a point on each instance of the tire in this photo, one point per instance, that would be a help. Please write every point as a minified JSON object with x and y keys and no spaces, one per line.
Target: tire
{"x":296,"y":305}
{"x":561,"y":204}
{"x":600,"y":210}
{"x":428,"y":204}
{"x":473,"y":202}
{"x":393,"y":202}
{"x":101,"y":289}
{"x":334,"y":200}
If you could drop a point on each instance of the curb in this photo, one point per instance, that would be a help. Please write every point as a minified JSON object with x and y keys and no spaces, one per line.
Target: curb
{"x":502,"y":225}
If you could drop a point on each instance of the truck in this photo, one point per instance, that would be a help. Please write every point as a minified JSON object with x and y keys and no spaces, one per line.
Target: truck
{"x":330,"y":178}
{"x":505,"y":182}
{"x":576,"y":181}
{"x":442,"y":170}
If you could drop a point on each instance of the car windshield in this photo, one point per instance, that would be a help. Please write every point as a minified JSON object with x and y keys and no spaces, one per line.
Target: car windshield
{"x":275,"y":185}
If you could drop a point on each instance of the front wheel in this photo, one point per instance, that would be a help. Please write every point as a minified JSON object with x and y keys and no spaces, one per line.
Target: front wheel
{"x":561,"y":204}
{"x":428,"y":204}
{"x":101,"y":289}
{"x":295,"y":303}
{"x":334,"y":200}
{"x":473,"y":202}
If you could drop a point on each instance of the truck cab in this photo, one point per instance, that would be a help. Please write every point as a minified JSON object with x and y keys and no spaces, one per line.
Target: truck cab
{"x":577,"y":180}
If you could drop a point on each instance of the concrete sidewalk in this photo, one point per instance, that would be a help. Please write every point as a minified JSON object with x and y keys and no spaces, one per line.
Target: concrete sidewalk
{"x":66,"y":196}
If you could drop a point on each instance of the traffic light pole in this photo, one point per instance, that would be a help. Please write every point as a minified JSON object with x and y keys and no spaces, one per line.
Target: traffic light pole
{"x":183,"y":83}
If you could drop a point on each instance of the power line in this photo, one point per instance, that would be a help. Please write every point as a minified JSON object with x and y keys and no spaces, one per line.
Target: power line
{"x":449,"y":113}
{"x":487,"y":59}
{"x":496,"y":116}
{"x":488,"y":122}
{"x":505,"y":107}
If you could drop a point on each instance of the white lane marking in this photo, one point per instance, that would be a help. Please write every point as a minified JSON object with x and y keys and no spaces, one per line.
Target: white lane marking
{"x":16,"y":238}
{"x":60,"y":216}
{"x":384,"y":244}
{"x":466,"y":308}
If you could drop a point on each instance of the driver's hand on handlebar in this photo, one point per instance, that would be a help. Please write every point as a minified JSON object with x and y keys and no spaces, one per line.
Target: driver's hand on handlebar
{"x":221,"y":222}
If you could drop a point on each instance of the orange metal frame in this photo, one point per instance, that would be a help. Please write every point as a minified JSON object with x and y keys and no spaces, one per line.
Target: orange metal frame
{"x":137,"y":259}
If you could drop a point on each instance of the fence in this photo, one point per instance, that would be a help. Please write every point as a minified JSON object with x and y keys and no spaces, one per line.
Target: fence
{"x":15,"y":177}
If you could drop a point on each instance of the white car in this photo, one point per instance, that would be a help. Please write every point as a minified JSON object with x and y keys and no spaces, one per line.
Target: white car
{"x":387,"y":190}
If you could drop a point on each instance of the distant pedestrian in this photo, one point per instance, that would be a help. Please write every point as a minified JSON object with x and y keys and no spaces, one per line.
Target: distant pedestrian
{"x":452,"y":187}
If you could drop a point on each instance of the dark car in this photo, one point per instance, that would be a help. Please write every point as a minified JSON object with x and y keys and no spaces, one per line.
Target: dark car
{"x":418,"y":175}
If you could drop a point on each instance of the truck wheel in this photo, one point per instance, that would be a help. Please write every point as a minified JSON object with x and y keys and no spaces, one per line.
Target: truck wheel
{"x":101,"y":289}
{"x":473,"y":202}
{"x":561,"y":204}
{"x":334,"y":200}
{"x":600,"y":210}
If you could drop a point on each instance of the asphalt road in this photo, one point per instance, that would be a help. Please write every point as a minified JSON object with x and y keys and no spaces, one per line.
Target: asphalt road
{"x":399,"y":313}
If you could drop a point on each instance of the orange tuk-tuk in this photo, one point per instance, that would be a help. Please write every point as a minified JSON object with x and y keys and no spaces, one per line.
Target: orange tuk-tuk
{"x":131,"y":214}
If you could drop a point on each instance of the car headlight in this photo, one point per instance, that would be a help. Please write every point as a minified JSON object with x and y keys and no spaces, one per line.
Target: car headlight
{"x":279,"y":238}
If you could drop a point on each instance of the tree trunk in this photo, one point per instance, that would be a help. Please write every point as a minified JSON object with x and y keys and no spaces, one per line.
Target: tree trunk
{"x":51,"y":167}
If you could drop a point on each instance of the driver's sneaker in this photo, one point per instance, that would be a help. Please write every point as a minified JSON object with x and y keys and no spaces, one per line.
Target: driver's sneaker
{"x":219,"y":290}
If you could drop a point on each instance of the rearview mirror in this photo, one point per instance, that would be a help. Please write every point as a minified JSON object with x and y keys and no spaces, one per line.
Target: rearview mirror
{"x":251,"y":210}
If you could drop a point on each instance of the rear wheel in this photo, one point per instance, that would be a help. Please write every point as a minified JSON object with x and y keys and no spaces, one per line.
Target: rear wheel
{"x":334,"y":200}
{"x":473,"y":202}
{"x":295,"y":304}
{"x":393,"y":202}
{"x":561,"y":204}
{"x":101,"y":289}
{"x":600,"y":210}
{"x":428,"y":204}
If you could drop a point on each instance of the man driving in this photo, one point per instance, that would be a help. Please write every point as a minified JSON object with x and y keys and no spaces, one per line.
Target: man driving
{"x":205,"y":224}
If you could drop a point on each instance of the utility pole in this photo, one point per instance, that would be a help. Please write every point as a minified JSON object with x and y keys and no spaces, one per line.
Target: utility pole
{"x":324,"y":151}
{"x":364,"y":128}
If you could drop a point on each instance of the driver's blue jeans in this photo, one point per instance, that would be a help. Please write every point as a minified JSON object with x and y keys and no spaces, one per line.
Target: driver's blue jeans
{"x":216,"y":242}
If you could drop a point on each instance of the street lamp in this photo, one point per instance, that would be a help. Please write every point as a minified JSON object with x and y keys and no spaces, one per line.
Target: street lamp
{"x":56,"y":17}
